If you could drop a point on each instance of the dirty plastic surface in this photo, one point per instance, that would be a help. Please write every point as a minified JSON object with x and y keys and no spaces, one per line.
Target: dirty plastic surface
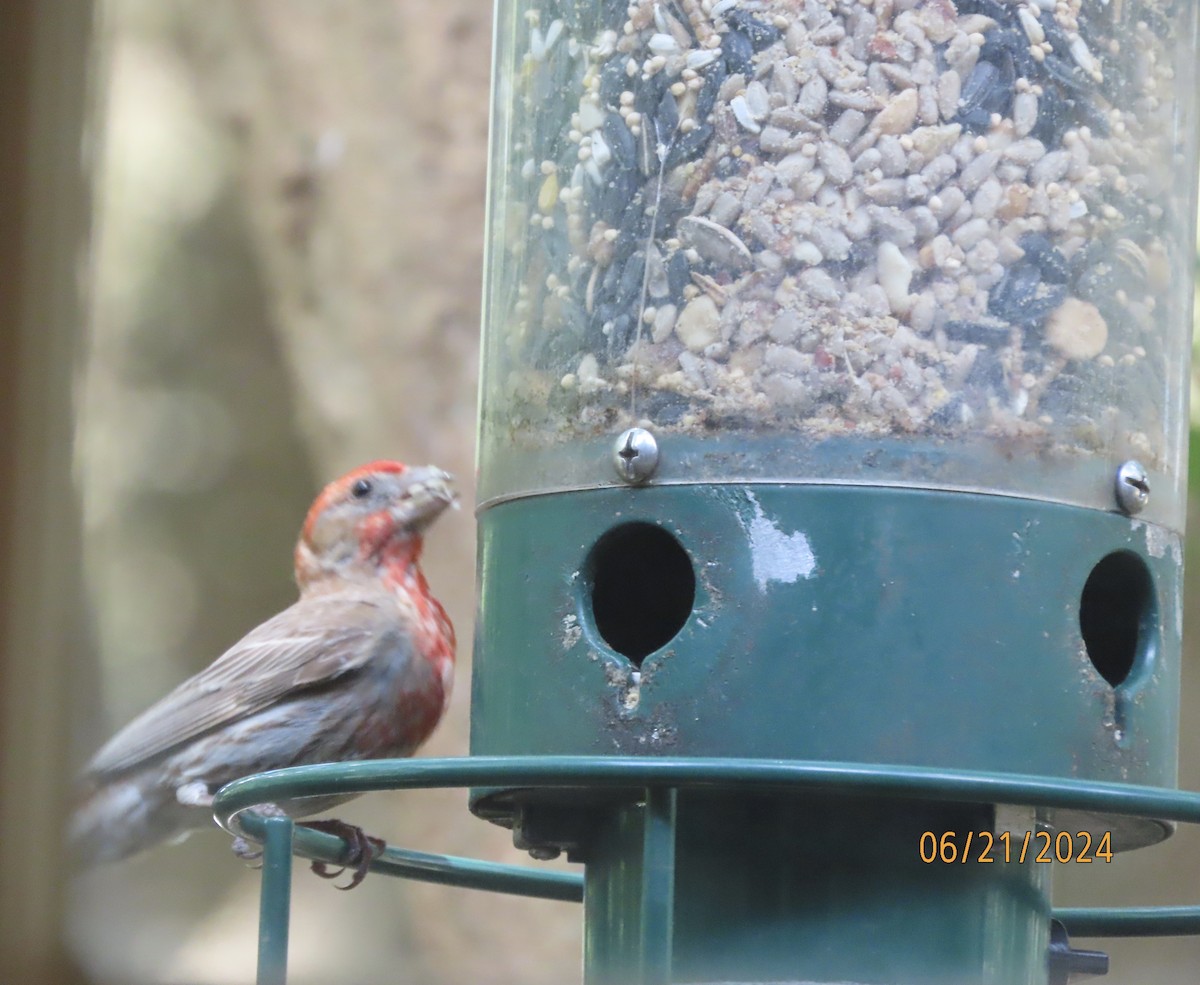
{"x":920,"y":241}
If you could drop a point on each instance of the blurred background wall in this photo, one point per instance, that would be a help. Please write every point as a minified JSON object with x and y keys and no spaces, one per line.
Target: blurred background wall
{"x":44,"y":211}
{"x":282,"y":282}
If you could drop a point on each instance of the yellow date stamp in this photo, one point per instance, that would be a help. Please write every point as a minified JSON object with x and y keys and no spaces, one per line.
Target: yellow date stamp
{"x":950,"y":847}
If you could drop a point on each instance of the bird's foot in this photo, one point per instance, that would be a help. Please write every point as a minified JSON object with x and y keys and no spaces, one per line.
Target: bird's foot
{"x":364,"y":849}
{"x":246,"y":851}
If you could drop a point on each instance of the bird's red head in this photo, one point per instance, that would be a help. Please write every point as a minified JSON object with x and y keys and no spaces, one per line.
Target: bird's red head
{"x":371,"y":517}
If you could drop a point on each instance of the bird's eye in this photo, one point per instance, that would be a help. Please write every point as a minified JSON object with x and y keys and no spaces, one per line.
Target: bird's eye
{"x":360,"y":489}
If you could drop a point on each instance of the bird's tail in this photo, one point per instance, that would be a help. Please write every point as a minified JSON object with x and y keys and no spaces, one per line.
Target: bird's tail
{"x":118,"y":817}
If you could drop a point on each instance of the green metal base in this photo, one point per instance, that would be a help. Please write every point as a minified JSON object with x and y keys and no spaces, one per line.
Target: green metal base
{"x":653,"y":867}
{"x":850,"y":624}
{"x":713,"y":888}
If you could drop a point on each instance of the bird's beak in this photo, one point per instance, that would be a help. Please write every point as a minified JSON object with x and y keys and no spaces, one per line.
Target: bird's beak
{"x":429,"y":491}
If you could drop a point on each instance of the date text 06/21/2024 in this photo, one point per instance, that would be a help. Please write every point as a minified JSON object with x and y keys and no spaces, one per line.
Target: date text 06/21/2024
{"x":1010,"y":846}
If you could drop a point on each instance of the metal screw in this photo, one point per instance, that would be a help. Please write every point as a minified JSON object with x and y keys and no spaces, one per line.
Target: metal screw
{"x":1133,"y":487}
{"x":635,"y":455}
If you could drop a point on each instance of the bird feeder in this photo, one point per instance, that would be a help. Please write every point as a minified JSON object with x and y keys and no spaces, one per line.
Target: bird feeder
{"x":831,"y":478}
{"x":834,"y":409}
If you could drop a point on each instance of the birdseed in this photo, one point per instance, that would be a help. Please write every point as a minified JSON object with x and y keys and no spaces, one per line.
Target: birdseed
{"x":846,"y":218}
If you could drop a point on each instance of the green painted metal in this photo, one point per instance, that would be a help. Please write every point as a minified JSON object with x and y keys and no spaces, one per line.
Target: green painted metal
{"x":275,"y":901}
{"x":629,"y":892}
{"x":842,"y":625}
{"x":628,"y":776}
{"x":658,"y":871}
{"x":846,"y":624}
{"x":829,"y":890}
{"x":770,"y":888}
{"x":403,"y":863}
{"x":1131,"y":921}
{"x":617,"y":889}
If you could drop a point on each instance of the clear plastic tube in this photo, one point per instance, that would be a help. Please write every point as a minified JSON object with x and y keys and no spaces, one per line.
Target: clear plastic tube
{"x":918,"y":242}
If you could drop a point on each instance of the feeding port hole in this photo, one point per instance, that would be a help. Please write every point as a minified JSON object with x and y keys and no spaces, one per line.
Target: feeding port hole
{"x":641,"y":588}
{"x":1116,"y":614}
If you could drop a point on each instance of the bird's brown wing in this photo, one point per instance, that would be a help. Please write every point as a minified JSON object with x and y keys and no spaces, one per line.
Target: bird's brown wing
{"x":312,"y":642}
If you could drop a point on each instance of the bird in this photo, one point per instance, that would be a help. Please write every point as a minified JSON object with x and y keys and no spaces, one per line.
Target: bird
{"x":359,"y":667}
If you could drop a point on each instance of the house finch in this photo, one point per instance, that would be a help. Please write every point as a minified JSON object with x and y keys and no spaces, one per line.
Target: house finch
{"x":359,"y":668}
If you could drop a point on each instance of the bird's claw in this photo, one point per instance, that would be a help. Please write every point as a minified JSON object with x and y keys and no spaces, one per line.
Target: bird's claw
{"x":246,"y":851}
{"x":364,"y":849}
